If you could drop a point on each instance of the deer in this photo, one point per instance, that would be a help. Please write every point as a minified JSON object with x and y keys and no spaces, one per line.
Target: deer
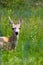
{"x":8,"y":43}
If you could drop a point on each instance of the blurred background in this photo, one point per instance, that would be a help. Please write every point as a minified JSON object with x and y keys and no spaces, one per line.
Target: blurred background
{"x":29,"y":50}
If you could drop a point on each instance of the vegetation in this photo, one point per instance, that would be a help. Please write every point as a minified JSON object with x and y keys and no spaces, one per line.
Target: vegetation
{"x":29,"y":50}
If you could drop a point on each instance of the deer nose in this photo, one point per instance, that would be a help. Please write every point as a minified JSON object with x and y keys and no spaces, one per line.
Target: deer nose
{"x":16,"y":33}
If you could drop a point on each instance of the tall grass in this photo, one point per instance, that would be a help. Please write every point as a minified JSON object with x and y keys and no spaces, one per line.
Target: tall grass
{"x":29,"y":50}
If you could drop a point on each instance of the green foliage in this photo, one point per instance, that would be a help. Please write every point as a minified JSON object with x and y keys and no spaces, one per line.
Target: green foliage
{"x":13,"y":4}
{"x":29,"y":50}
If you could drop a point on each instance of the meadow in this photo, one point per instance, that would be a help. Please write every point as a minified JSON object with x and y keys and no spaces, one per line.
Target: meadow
{"x":29,"y":50}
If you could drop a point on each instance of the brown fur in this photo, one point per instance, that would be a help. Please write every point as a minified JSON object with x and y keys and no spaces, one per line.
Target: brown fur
{"x":4,"y":39}
{"x":8,"y":42}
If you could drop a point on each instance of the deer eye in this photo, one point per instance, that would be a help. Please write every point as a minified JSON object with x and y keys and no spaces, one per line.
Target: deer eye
{"x":19,"y":28}
{"x":12,"y":28}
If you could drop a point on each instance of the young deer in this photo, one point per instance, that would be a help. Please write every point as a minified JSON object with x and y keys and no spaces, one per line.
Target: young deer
{"x":11,"y":42}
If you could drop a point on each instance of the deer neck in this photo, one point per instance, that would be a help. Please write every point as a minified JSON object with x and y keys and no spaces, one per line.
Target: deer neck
{"x":13,"y":37}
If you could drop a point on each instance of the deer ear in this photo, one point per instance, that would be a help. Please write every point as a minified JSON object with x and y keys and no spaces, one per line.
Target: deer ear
{"x":11,"y":22}
{"x":19,"y":22}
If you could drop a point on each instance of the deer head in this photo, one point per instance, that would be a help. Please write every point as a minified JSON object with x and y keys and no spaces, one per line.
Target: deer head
{"x":15,"y":27}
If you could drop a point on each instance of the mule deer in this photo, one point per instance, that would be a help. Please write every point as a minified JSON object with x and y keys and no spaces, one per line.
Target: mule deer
{"x":11,"y":42}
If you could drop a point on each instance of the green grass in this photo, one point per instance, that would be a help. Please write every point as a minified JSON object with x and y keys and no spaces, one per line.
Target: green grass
{"x":29,"y":50}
